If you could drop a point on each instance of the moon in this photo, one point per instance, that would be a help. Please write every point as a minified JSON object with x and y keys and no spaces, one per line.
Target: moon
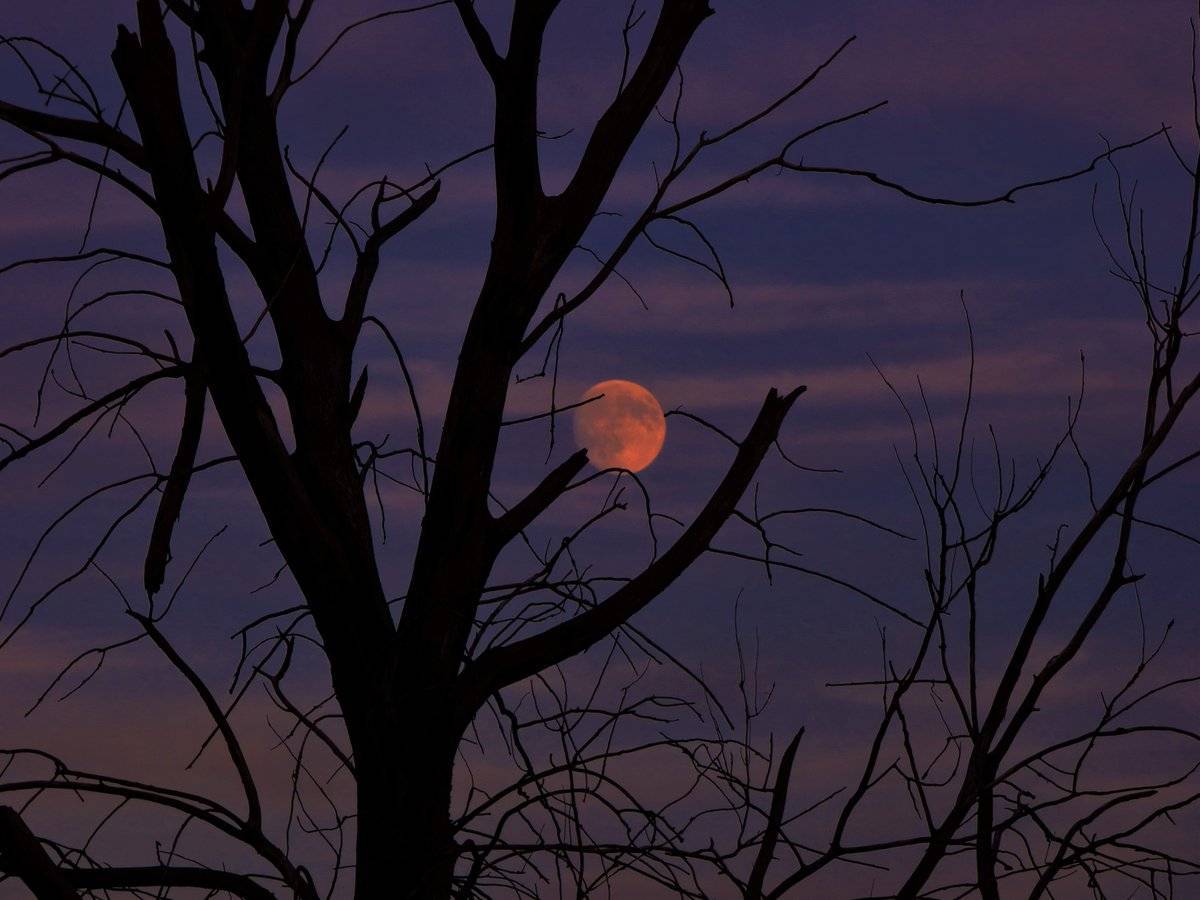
{"x":624,"y":429}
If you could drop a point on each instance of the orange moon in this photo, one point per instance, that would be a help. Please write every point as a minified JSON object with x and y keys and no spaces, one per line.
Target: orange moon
{"x":624,"y":429}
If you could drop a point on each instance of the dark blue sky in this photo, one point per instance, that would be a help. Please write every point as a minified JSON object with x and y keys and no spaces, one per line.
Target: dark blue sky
{"x":826,"y":271}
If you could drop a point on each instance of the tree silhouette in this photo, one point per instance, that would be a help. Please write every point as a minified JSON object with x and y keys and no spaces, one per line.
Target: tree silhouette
{"x":420,"y":683}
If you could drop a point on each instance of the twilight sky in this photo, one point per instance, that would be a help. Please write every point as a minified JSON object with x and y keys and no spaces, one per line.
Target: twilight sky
{"x":827,"y":274}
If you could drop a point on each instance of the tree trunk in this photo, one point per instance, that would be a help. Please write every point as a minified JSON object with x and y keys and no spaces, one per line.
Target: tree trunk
{"x":405,"y":848}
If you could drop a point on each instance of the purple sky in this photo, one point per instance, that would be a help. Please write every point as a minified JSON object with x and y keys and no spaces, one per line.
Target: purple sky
{"x":825,"y":272}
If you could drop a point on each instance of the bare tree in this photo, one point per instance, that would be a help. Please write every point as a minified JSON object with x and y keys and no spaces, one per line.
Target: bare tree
{"x":467,"y":664}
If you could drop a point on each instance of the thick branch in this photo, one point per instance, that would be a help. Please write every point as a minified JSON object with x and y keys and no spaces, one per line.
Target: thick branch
{"x":505,"y":665}
{"x":479,"y":36}
{"x":159,"y":550}
{"x":238,"y":47}
{"x":539,"y":499}
{"x":96,"y":133}
{"x":368,"y":261}
{"x":22,"y":855}
{"x":623,"y":120}
{"x":774,"y":827}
